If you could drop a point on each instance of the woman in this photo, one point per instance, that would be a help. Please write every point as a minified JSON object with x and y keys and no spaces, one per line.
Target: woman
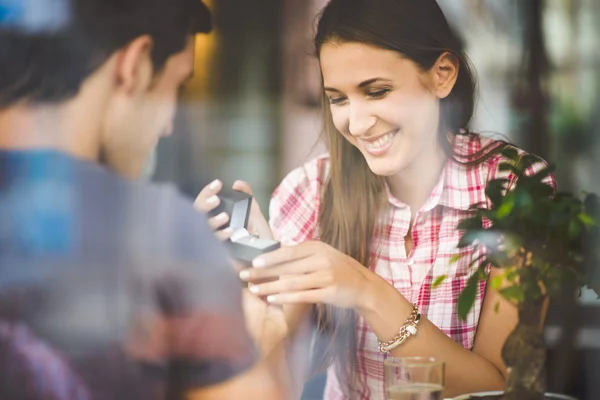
{"x":374,"y":221}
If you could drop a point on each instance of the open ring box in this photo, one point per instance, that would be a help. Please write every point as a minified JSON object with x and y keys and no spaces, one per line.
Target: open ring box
{"x":243,"y":245}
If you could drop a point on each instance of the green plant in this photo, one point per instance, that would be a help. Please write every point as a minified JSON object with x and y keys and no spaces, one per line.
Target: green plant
{"x":541,"y":240}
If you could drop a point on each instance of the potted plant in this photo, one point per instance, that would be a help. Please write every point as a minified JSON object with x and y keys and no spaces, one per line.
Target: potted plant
{"x":540,"y":240}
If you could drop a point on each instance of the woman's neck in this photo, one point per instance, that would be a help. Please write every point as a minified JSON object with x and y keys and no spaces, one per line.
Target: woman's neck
{"x":413,"y":186}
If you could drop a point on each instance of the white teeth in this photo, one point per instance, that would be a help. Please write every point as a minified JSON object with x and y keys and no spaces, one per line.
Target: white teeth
{"x":379,"y":143}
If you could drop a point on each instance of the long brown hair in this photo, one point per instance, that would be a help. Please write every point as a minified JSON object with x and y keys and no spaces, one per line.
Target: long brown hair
{"x":353,"y":197}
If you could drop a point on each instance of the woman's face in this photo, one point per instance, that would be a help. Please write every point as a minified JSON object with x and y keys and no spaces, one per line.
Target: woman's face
{"x":383,"y":104}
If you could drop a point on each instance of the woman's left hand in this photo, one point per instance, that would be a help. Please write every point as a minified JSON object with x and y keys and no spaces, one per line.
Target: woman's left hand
{"x":309,"y":273}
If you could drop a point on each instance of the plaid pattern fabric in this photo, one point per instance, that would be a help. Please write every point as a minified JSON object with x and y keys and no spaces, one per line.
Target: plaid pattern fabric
{"x":293,"y":217}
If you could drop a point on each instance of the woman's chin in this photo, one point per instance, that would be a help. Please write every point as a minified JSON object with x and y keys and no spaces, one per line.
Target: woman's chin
{"x":383,"y":167}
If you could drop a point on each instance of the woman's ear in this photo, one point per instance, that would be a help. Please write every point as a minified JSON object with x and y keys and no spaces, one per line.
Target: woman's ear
{"x":445,"y":74}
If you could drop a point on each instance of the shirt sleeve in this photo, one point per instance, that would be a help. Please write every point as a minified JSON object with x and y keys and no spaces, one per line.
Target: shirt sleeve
{"x":294,"y":207}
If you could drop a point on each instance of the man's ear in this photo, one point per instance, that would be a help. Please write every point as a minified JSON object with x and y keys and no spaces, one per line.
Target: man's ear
{"x":134,"y":69}
{"x":445,"y":74}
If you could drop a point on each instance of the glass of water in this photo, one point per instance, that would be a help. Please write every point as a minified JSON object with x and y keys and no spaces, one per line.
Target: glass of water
{"x":414,"y":378}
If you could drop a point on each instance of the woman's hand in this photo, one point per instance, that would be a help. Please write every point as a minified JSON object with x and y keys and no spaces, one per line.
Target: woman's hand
{"x":208,"y":200}
{"x":310,"y":273}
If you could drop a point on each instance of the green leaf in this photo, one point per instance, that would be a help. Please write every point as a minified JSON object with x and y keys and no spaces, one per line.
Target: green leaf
{"x":470,"y":223}
{"x":497,"y":307}
{"x":511,"y":275}
{"x":455,"y":258}
{"x":469,"y":237}
{"x":438,"y":281}
{"x":513,"y":293}
{"x":511,"y":153}
{"x":528,"y":160}
{"x":508,"y":167}
{"x":574,"y":229}
{"x":495,"y":190}
{"x":497,"y":282}
{"x":506,"y":208}
{"x":546,"y":171}
{"x":467,"y":297}
{"x":586,"y":219}
{"x":523,"y":199}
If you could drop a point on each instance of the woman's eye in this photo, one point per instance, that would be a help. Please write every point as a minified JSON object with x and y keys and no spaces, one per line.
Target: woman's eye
{"x":336,"y":100}
{"x":377,"y":94}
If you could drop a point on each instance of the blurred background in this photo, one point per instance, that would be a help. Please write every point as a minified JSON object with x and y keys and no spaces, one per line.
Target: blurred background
{"x":252,"y":113}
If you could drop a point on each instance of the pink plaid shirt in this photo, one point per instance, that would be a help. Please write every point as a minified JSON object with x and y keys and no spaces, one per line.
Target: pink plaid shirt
{"x":293,"y":218}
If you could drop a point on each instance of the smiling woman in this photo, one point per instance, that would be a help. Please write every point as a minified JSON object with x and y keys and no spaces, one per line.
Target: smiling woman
{"x":386,"y":105}
{"x":400,"y":173}
{"x":371,"y":225}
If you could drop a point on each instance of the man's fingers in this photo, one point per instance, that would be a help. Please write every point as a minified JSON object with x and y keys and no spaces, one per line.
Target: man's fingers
{"x":224,"y":234}
{"x":207,"y":199}
{"x":218,"y":221}
{"x":242,"y":186}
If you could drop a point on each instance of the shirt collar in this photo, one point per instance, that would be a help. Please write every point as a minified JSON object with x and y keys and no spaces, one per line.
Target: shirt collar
{"x":459,"y":187}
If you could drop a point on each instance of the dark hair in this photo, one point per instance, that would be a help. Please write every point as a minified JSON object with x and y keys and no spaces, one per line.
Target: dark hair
{"x":47,"y":58}
{"x":353,"y":196}
{"x":417,"y":30}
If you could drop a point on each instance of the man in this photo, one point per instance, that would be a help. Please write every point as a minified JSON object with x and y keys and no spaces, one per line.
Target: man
{"x":109,"y":288}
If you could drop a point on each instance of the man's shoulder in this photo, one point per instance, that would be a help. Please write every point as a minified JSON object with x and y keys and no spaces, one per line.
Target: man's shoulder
{"x":161,"y":221}
{"x":53,"y":202}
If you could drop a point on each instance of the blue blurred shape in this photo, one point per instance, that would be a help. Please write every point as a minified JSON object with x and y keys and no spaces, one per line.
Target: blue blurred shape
{"x":34,"y":16}
{"x":11,"y":11}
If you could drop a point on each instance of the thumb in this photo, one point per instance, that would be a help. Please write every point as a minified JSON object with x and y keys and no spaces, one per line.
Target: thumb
{"x":258,"y":224}
{"x":242,"y":186}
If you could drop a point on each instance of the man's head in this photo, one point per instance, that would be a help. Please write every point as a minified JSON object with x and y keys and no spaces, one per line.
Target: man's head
{"x":107,"y":70}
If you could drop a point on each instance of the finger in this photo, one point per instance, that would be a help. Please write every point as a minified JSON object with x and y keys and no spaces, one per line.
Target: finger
{"x":285,"y":254}
{"x":207,"y":199}
{"x":218,"y":221}
{"x":314,"y":296}
{"x":289,"y":285}
{"x":296,"y":267}
{"x":242,"y":186}
{"x":257,"y":222}
{"x":224,"y":234}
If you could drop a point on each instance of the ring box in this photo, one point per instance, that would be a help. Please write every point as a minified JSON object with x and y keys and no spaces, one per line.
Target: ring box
{"x":235,"y":204}
{"x":243,"y":245}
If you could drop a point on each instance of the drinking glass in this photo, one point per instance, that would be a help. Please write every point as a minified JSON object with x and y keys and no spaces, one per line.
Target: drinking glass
{"x":414,"y":378}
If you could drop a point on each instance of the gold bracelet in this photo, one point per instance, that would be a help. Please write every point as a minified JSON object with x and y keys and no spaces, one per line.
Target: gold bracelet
{"x":409,"y":328}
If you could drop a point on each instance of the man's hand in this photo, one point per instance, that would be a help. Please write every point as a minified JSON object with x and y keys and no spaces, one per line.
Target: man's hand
{"x":208,"y":200}
{"x":265,"y":322}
